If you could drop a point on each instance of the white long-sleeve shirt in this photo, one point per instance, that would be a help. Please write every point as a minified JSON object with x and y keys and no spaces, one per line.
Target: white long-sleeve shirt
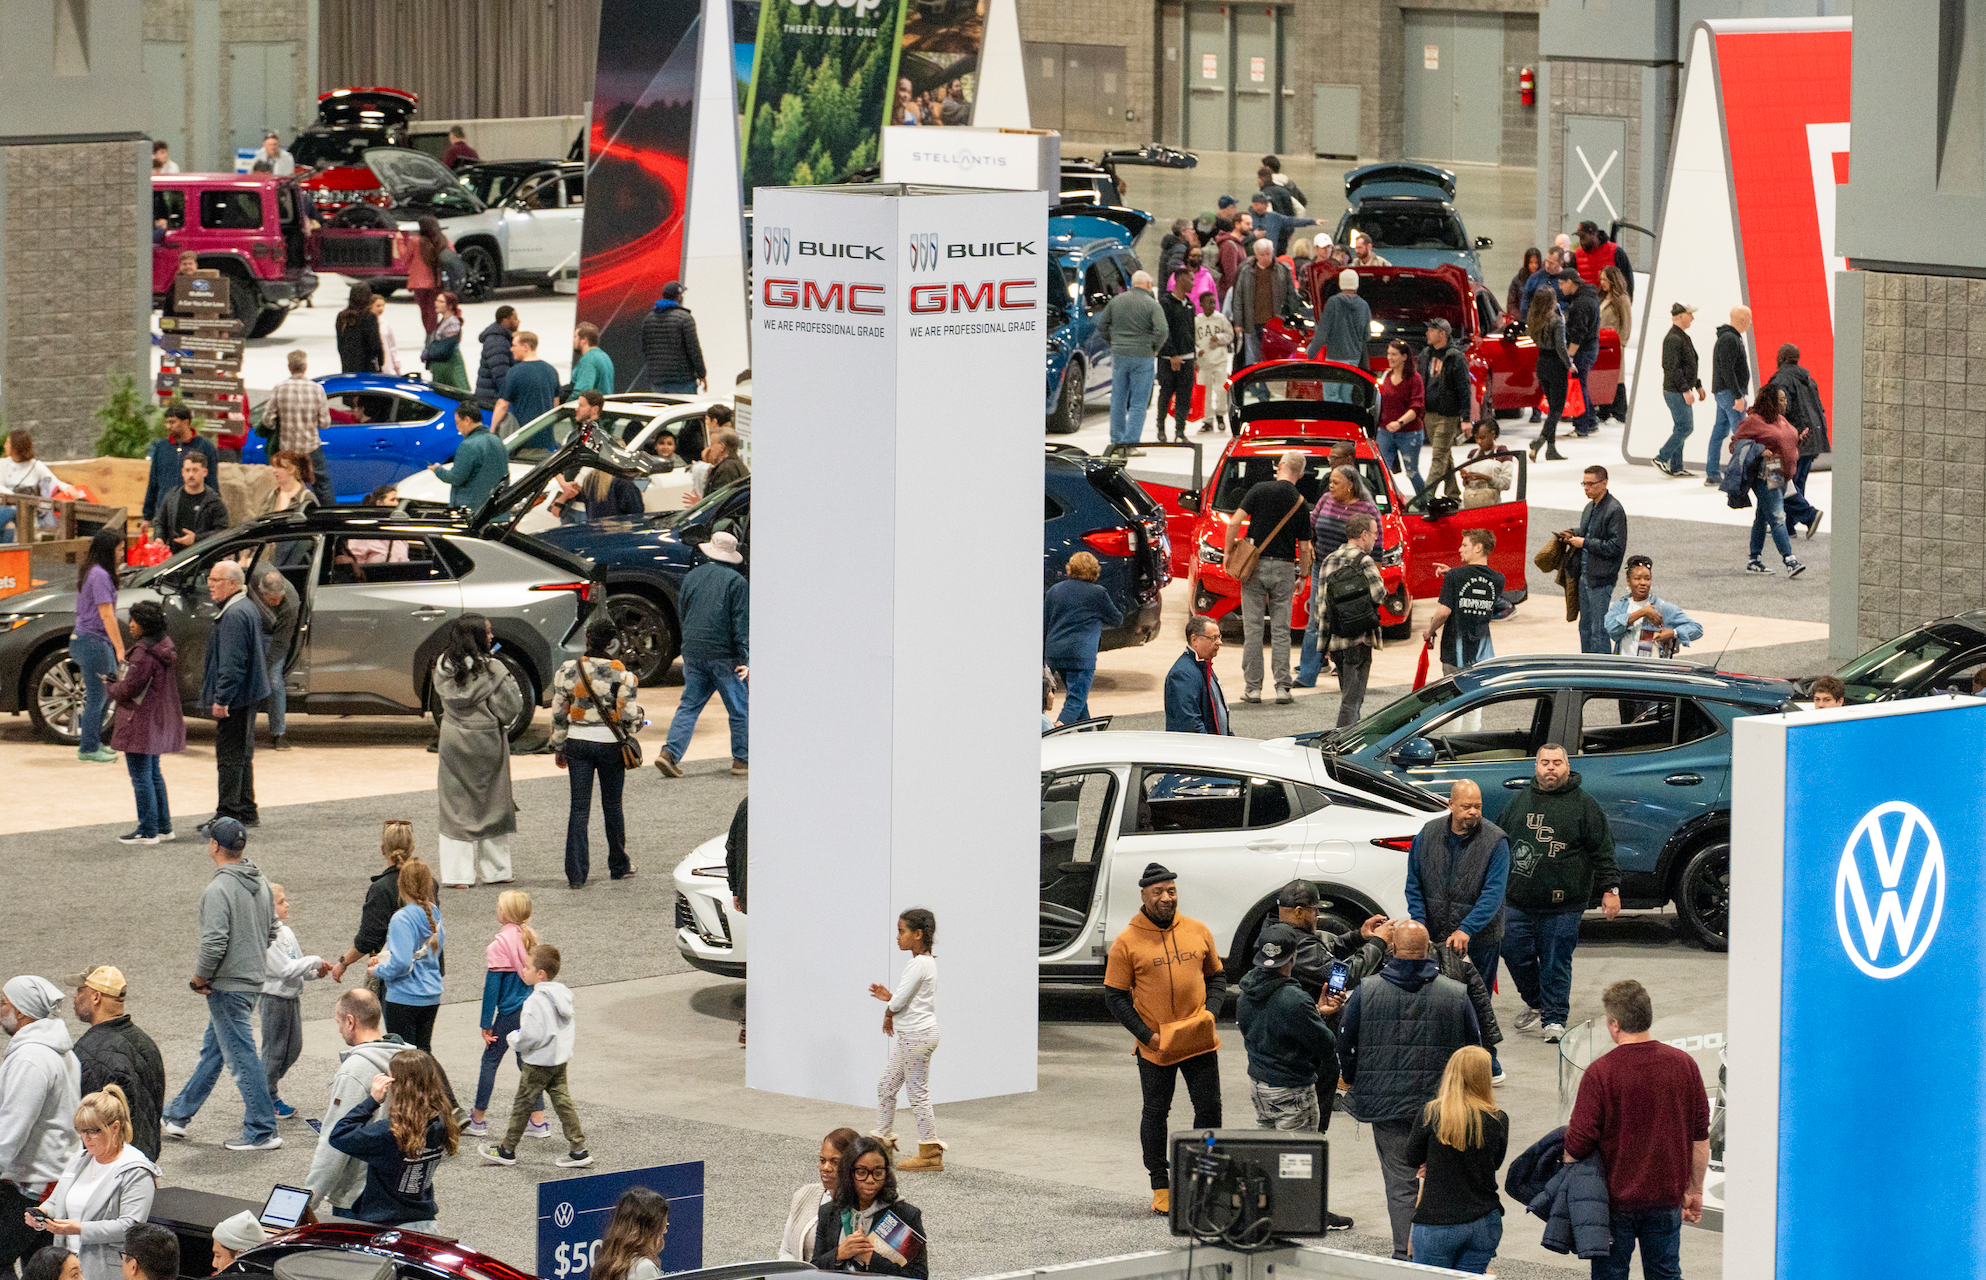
{"x":914,"y":1005}
{"x":289,"y":968}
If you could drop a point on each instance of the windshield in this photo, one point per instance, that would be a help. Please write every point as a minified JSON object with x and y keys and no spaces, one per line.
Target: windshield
{"x":1421,"y":227}
{"x":1244,"y":471}
{"x":1895,"y":667}
{"x":1388,"y":720}
{"x":1353,"y":774}
{"x":1272,"y":388}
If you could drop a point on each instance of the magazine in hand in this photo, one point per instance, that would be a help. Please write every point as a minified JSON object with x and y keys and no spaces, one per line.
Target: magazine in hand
{"x":895,"y":1240}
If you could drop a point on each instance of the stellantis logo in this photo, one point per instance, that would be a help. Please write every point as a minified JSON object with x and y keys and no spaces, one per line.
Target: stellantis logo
{"x":777,"y":243}
{"x":924,"y":251}
{"x":1884,"y":841}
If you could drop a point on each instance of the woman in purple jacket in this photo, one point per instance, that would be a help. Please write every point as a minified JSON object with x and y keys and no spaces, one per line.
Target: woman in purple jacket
{"x":147,"y":722}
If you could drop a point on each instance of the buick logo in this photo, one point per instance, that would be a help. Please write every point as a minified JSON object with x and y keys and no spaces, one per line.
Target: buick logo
{"x":777,"y":243}
{"x":924,"y":251}
{"x":1894,"y":851}
{"x":562,"y":1216}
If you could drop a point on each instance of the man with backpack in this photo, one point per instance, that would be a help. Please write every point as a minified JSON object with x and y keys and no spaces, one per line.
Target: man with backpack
{"x":1352,"y":592}
{"x":1469,"y":595}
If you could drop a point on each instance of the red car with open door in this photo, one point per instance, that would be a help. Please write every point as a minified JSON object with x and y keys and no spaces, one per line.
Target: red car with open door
{"x":1308,"y":406}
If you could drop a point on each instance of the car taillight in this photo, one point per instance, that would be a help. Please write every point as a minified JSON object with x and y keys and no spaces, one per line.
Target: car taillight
{"x":584,"y":590}
{"x":1399,"y":844}
{"x":262,"y":249}
{"x":1111,"y":542}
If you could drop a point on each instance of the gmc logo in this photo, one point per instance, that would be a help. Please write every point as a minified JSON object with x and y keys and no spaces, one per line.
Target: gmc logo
{"x":987,"y":295}
{"x":809,"y":295}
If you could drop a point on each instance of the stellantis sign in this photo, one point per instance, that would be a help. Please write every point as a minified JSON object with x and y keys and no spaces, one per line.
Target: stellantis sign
{"x":1001,"y":159}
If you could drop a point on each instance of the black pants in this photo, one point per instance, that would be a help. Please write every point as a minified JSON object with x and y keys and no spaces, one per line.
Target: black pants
{"x":17,"y":1239}
{"x":1552,"y":375}
{"x":1175,"y":387}
{"x":414,"y":1023}
{"x":320,"y":483}
{"x":583,"y":760}
{"x":234,"y":758}
{"x":1203,"y":1086}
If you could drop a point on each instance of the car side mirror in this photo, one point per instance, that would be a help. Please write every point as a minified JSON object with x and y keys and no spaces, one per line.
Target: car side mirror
{"x":1189,"y":501}
{"x":1414,"y":753}
{"x":1484,"y":242}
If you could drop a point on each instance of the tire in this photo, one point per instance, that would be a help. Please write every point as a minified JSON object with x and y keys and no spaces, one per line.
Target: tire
{"x":55,"y":699}
{"x":648,"y":637}
{"x":1703,"y":895}
{"x":485,"y":273}
{"x":525,"y":684}
{"x":268,"y":322}
{"x":1331,"y":920}
{"x":244,"y":299}
{"x":1068,"y":415}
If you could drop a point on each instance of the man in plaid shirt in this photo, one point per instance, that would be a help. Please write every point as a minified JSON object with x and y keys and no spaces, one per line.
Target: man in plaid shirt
{"x":299,"y":411}
{"x":1353,"y":645}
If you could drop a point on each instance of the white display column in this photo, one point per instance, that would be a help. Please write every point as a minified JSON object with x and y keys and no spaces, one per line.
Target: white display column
{"x":896,"y":602}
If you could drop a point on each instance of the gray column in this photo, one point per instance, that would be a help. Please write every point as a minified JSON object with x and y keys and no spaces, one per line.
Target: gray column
{"x":204,"y":152}
{"x":1845,"y":515}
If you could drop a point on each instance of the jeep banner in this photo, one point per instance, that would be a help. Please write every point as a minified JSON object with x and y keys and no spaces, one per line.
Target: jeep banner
{"x":821,"y":81}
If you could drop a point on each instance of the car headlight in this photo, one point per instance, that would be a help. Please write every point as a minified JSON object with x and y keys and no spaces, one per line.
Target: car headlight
{"x":714,"y":873}
{"x":1211,"y":554}
{"x":1390,"y":557}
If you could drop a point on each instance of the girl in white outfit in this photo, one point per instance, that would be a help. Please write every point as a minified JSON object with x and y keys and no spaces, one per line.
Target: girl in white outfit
{"x":912,"y":1020}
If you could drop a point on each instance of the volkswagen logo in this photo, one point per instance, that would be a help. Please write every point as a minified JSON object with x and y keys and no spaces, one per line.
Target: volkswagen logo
{"x":778,"y":245}
{"x":1894,"y":851}
{"x":562,"y":1216}
{"x":924,"y":251}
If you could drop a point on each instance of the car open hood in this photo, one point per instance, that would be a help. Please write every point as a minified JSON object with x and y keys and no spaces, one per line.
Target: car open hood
{"x":1399,"y":178}
{"x":1152,"y":155}
{"x":375,"y":108}
{"x":1285,"y":391}
{"x":1404,"y":299}
{"x":589,"y":448}
{"x":1088,"y":221}
{"x":411,"y":177}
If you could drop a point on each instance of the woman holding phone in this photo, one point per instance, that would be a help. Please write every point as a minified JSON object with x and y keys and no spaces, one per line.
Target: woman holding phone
{"x":106,"y":1190}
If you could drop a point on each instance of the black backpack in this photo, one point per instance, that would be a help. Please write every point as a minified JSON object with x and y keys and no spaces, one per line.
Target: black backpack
{"x":1348,"y":607}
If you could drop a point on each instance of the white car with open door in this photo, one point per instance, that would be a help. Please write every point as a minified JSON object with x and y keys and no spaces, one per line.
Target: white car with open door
{"x":1236,"y":818}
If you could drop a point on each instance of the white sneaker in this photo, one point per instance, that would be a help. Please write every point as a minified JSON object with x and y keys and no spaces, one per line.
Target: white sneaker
{"x":1554,"y":1032}
{"x":477,"y":1128}
{"x":1529,"y":1019}
{"x":267,"y":1144}
{"x":1498,"y":1077}
{"x":173,"y":1129}
{"x":534,"y":1130}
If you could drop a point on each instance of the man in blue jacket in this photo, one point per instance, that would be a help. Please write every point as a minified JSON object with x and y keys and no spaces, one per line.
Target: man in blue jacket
{"x":1193,"y":699}
{"x":715,"y":604}
{"x":1456,"y":875}
{"x":180,"y":438}
{"x":237,"y":678}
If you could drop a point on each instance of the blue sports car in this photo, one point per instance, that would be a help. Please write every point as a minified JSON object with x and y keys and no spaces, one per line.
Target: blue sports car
{"x":1650,"y":740}
{"x":1090,"y":262}
{"x":383,"y":428}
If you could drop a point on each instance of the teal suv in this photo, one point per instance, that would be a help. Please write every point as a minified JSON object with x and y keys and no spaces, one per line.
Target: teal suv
{"x":1650,"y":740}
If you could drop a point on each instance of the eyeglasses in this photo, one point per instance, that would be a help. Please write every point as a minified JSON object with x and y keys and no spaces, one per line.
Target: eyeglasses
{"x":869,"y":1175}
{"x":89,"y":1133}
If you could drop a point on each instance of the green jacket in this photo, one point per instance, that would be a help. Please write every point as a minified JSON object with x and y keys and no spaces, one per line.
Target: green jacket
{"x":480,"y":467}
{"x":1133,"y":324}
{"x":1561,"y":852}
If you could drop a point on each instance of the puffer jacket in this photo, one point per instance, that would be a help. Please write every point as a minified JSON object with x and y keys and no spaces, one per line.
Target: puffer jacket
{"x":116,"y":1052}
{"x":495,"y":365}
{"x":1571,"y":1198}
{"x":670,"y":351}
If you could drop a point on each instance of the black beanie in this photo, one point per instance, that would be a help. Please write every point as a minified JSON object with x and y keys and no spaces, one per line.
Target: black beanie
{"x":1155,"y":874}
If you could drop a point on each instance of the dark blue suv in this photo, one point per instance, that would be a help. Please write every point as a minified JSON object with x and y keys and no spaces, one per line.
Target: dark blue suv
{"x":1651,"y":741}
{"x":1090,"y":262}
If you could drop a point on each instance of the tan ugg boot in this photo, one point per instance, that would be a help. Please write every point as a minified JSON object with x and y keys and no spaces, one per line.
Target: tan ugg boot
{"x":888,"y":1140}
{"x":930,"y":1158}
{"x":1162,"y":1200}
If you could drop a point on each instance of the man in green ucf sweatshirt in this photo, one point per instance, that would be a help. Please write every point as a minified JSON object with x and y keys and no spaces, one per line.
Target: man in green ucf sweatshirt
{"x":1560,"y":852}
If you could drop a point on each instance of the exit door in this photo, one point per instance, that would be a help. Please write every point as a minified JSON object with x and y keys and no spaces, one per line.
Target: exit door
{"x":1595,"y":159}
{"x":262,"y":91}
{"x":1454,"y":80}
{"x":1234,"y":78}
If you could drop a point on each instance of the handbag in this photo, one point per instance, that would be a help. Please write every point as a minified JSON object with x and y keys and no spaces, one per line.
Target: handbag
{"x":630,"y":748}
{"x":1575,"y":398}
{"x":1247,"y":554}
{"x":1420,"y":671}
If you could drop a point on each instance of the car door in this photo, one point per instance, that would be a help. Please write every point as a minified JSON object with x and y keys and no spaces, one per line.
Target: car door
{"x":663,"y":491}
{"x":376,"y":603}
{"x":190,"y":610}
{"x":1653,"y":762}
{"x":379,"y":436}
{"x":1434,"y":534}
{"x":1078,"y":816}
{"x":1102,"y":281}
{"x":1488,"y":736}
{"x":533,"y":221}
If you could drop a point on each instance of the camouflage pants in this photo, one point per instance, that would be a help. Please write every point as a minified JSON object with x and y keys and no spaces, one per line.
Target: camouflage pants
{"x":1279,"y":1107}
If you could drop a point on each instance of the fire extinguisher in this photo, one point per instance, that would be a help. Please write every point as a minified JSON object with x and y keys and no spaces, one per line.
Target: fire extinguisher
{"x":1527,"y":87}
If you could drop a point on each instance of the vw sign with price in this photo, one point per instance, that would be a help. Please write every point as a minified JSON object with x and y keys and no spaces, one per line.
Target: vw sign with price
{"x":1856,"y":1131}
{"x":573,"y":1214}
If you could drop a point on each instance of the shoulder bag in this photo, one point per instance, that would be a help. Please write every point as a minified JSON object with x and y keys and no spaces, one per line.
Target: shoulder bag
{"x":630,"y":748}
{"x":1247,"y":553}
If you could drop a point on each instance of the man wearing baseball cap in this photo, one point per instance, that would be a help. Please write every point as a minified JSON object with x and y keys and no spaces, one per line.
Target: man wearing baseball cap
{"x":715,"y":603}
{"x":115,"y":1051}
{"x":1164,"y":983}
{"x":1287,"y":1039}
{"x":237,"y":921}
{"x":1681,"y":387}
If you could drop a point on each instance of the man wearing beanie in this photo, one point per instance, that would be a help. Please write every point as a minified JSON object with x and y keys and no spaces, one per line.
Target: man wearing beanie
{"x":236,"y":1236}
{"x":1345,"y":325}
{"x":1164,"y":983}
{"x":40,"y":1085}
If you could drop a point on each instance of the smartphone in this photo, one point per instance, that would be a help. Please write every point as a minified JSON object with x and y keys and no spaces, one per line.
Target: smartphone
{"x":35,"y":1212}
{"x":1339,"y":972}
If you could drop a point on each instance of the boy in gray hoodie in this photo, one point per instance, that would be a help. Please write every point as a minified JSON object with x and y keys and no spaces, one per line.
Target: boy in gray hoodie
{"x":40,"y":1085}
{"x":237,"y":923}
{"x":544,"y":1040}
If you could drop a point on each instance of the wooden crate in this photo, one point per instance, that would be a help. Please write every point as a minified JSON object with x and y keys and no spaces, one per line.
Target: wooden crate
{"x":53,"y":554}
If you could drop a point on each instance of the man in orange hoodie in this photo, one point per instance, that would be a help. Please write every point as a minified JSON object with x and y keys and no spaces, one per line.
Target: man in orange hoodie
{"x":1165,"y":983}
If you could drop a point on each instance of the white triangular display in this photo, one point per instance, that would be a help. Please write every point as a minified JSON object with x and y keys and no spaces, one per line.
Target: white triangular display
{"x":713,"y":236}
{"x":1002,"y":100}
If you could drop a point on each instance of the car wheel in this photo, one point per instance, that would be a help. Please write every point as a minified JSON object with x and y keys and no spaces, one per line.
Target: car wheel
{"x":1703,"y":896}
{"x":268,"y":322}
{"x":1068,"y":415}
{"x":1404,"y":628}
{"x":244,"y":300}
{"x":484,"y":274}
{"x":648,"y":638}
{"x":1332,"y":920}
{"x":55,"y":699}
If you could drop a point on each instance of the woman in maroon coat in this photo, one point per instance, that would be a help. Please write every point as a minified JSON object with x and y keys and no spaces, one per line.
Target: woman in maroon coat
{"x":147,"y":722}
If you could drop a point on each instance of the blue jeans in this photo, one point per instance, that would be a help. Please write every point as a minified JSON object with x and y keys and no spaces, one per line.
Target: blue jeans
{"x":701,"y":678}
{"x":1594,"y":600}
{"x":1537,"y":948}
{"x":229,"y":1039}
{"x":1310,"y":659}
{"x":1397,"y":448}
{"x":7,"y":517}
{"x":277,"y":704}
{"x":1769,"y":512}
{"x":1683,"y":414}
{"x":1465,"y":1246}
{"x":1130,"y":395}
{"x":493,"y":1058}
{"x":1582,"y":365}
{"x":684,"y":388}
{"x":1728,"y":419}
{"x":1485,"y":955}
{"x":148,"y":787}
{"x":1076,"y":701}
{"x":97,"y":659}
{"x":1660,"y":1232}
